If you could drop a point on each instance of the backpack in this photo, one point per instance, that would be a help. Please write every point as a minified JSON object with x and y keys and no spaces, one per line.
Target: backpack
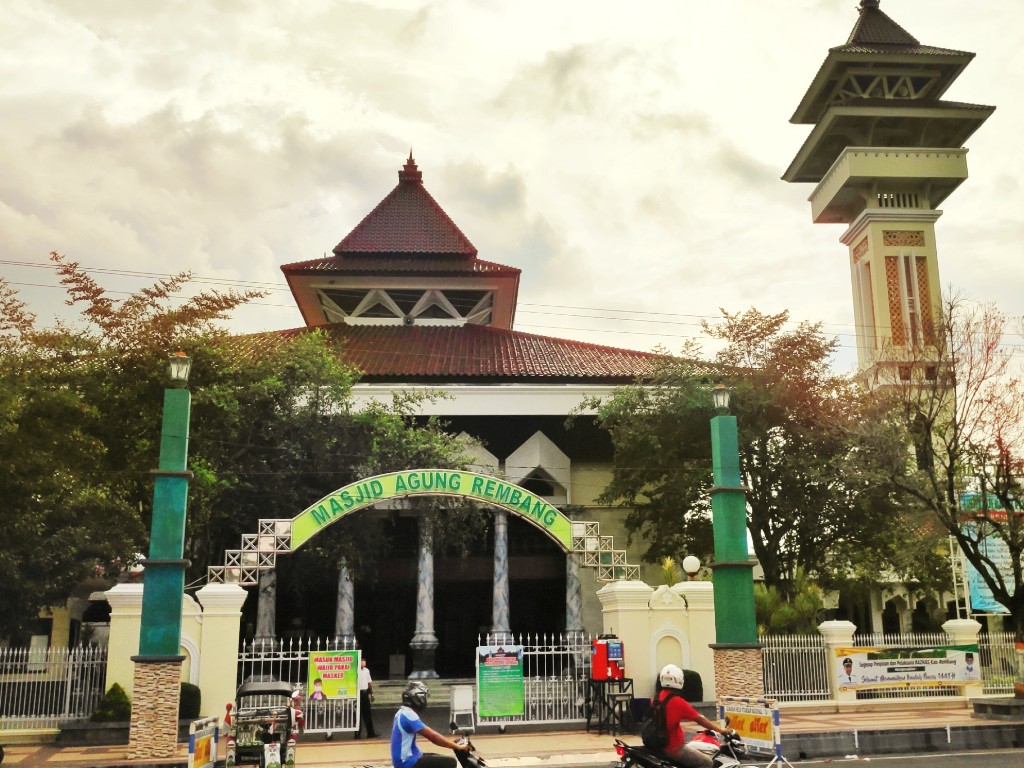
{"x":654,"y":729}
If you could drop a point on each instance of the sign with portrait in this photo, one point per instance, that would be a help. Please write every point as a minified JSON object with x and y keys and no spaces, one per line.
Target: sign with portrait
{"x":332,"y":675}
{"x":866,"y":668}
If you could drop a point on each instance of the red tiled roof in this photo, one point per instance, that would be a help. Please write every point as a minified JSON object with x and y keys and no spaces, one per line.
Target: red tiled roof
{"x":376,"y":264}
{"x":481,"y":352}
{"x":409,"y":221}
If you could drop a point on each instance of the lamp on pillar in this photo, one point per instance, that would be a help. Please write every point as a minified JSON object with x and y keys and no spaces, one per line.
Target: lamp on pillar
{"x":733,"y":571}
{"x":153,"y":732}
{"x":691,"y":565}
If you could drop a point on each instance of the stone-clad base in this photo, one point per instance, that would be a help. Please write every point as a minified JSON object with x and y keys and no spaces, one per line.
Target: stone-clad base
{"x":738,"y":671}
{"x":154,"y":727}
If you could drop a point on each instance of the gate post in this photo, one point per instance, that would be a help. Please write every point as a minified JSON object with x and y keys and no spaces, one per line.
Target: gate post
{"x":838,"y":634}
{"x":218,"y":647}
{"x":123,"y":643}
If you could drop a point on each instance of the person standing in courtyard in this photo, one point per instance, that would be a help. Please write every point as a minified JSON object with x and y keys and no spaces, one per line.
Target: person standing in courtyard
{"x":365,"y":701}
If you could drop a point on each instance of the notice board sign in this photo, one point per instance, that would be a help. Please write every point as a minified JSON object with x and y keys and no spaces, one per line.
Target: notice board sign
{"x":499,"y":681}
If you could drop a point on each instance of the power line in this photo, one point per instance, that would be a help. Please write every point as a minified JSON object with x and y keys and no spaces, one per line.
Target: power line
{"x":621,"y":315}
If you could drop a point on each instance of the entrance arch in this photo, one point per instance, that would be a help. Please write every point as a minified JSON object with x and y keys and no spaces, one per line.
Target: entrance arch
{"x":283,"y":535}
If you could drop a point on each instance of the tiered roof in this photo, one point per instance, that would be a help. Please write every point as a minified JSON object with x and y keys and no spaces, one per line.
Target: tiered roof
{"x":482,"y":354}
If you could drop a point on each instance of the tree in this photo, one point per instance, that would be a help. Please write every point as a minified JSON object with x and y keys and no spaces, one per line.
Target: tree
{"x":272,"y":430}
{"x":799,"y":612}
{"x":956,"y":444}
{"x":814,"y":493}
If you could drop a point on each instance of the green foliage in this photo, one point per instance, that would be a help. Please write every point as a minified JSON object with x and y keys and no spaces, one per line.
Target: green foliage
{"x":114,"y":707}
{"x":797,"y":611}
{"x":955,"y":445}
{"x":272,"y":430}
{"x":693,"y":686}
{"x":816,"y":497}
{"x":189,"y":702}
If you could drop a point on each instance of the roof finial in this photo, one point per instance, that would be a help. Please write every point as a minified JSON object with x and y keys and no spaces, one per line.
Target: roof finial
{"x":869,"y":3}
{"x":410,"y":174}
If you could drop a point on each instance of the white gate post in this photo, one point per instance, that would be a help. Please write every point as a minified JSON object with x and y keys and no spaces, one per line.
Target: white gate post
{"x":965,"y":632}
{"x":125,"y":620}
{"x":218,"y":647}
{"x":838,"y":634}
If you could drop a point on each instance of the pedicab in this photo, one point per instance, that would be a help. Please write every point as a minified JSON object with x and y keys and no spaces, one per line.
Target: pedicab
{"x":262,"y":725}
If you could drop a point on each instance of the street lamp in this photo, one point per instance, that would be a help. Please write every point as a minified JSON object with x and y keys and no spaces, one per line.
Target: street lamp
{"x":153,"y":730}
{"x":733,"y":577}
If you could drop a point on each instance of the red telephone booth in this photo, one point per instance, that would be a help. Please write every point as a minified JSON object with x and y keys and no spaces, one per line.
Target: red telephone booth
{"x":606,"y":658}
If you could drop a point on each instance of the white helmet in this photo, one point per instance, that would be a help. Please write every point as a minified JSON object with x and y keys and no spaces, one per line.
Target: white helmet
{"x":671,"y":677}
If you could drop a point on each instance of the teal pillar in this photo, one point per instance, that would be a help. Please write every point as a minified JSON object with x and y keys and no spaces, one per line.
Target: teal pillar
{"x":164,"y":580}
{"x":733,"y":570}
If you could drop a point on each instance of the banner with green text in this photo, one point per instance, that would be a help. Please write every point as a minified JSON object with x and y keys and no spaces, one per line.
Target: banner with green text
{"x":499,"y":681}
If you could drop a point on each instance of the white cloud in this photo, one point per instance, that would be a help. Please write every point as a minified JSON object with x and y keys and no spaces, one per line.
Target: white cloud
{"x":625,"y":157}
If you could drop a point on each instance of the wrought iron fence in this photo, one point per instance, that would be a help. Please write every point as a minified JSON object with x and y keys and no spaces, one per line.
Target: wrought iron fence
{"x":287,"y":661}
{"x":795,"y":667}
{"x":996,"y":652}
{"x":43,"y":687}
{"x":556,"y":669}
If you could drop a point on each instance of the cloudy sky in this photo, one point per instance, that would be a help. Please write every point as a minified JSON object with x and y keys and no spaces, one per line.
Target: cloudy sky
{"x":626,"y":156}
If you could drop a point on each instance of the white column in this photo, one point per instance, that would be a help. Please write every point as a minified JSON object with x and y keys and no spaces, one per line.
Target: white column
{"x":266,"y":608}
{"x":699,"y":597}
{"x":344,"y":611}
{"x":838,"y":635}
{"x":424,"y":642}
{"x":499,"y":603}
{"x":965,"y":632}
{"x":218,"y":648}
{"x":573,"y":597}
{"x":125,"y":622}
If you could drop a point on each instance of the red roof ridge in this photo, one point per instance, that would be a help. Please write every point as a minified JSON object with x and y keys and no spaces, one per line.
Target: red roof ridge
{"x":407,"y":221}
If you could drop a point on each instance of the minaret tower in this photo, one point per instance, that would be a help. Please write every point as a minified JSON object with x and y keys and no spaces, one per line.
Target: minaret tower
{"x":885,"y":151}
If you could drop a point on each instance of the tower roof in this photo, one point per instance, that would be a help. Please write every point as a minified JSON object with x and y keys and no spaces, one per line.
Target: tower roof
{"x":873,"y":26}
{"x":407,"y":221}
{"x":877,"y":43}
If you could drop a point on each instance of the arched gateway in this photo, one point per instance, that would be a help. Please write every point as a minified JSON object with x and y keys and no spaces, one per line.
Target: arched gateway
{"x":280,"y":536}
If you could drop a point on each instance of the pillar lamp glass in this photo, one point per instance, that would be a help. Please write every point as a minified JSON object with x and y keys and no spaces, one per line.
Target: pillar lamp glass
{"x":720,"y":395}
{"x":691,"y":564}
{"x":180,"y":365}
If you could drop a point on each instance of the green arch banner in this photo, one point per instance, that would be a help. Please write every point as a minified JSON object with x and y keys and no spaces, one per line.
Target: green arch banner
{"x":431,"y":482}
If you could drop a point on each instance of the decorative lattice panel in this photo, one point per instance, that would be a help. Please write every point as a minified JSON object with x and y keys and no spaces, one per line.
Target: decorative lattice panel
{"x":903,"y":237}
{"x":925,"y":299}
{"x":892,"y":283}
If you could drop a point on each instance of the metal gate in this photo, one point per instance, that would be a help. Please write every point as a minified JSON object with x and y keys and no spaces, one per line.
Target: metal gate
{"x":556,"y":670}
{"x":288,"y":661}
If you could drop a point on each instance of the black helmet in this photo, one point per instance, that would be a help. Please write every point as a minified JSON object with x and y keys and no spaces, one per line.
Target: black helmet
{"x":415,"y":695}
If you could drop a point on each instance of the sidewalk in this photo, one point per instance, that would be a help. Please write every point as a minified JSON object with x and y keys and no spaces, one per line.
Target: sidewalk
{"x":805,"y":735}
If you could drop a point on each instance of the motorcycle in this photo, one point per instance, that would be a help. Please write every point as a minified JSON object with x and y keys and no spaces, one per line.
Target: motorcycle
{"x":467,"y":759}
{"x":727,"y":753}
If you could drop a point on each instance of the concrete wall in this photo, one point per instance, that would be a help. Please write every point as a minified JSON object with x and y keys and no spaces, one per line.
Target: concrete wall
{"x":662,"y":625}
{"x":209,"y":640}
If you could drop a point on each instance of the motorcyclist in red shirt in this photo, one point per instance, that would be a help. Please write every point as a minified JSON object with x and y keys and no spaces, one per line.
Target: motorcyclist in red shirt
{"x":678,"y":711}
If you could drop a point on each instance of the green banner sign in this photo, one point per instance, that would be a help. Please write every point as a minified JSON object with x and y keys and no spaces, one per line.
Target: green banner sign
{"x":332,"y":675}
{"x":432,"y":482}
{"x":499,"y":680}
